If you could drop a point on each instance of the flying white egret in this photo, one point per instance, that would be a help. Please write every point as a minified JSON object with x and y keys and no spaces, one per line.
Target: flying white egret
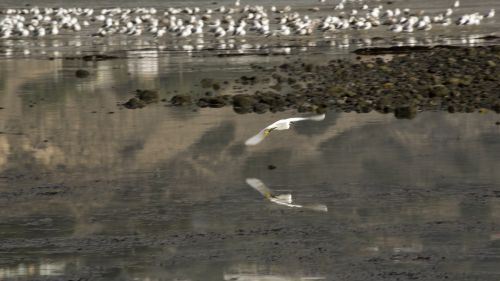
{"x":283,"y":124}
{"x":281,"y":199}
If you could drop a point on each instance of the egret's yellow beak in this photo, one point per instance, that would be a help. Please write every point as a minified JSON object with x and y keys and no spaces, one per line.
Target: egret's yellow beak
{"x":267,"y":131}
{"x":268,"y":195}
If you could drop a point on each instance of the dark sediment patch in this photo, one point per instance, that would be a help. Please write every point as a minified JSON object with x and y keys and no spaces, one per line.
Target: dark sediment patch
{"x":399,"y":49}
{"x":453,"y":79}
{"x":98,"y":57}
{"x":489,"y":37}
{"x":94,"y":57}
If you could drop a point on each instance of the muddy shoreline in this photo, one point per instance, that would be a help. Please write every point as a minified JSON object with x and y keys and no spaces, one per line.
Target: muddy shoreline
{"x":318,"y":246}
{"x":399,"y":80}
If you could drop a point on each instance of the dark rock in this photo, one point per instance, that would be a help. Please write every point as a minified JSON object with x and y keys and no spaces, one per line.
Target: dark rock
{"x":308,"y":67}
{"x":392,"y":50}
{"x":134,"y":103}
{"x":248,"y":78}
{"x":496,"y":107}
{"x":405,"y":112}
{"x":181,"y":100}
{"x":214,"y":102}
{"x":453,"y":79}
{"x":276,"y":87}
{"x":98,"y":57}
{"x":147,"y":96}
{"x":260,"y":107}
{"x":81,"y":73}
{"x":304,"y":108}
{"x":206,"y":83}
{"x":438,"y":91}
{"x":243,"y":103}
{"x":271,"y":167}
{"x":202,"y":103}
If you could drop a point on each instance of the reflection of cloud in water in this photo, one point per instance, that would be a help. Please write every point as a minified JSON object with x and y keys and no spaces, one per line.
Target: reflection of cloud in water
{"x":205,"y":161}
{"x":47,"y":154}
{"x":317,"y":129}
{"x":4,"y":151}
{"x":44,"y":268}
{"x":256,"y":272}
{"x":146,"y":64}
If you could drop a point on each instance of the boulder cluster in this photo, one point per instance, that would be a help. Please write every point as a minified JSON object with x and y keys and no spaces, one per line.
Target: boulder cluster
{"x":453,"y":79}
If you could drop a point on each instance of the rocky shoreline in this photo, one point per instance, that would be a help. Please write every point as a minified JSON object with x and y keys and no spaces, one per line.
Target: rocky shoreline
{"x":399,"y":80}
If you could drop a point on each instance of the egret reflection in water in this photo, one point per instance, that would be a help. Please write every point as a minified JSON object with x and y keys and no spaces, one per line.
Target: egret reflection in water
{"x":283,"y":124}
{"x":281,"y":199}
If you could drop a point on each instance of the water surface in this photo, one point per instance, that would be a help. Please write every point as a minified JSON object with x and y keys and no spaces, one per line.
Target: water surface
{"x":92,"y":190}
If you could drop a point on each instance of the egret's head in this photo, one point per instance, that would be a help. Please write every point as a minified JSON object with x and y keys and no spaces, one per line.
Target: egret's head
{"x":266,"y":132}
{"x":268,"y":195}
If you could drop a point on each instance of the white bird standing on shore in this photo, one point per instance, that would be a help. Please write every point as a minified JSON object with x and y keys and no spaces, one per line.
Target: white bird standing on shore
{"x":490,"y":14}
{"x":283,"y":124}
{"x":282,"y":199}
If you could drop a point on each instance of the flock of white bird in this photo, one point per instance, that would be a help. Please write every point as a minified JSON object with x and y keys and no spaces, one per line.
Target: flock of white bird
{"x":225,"y":21}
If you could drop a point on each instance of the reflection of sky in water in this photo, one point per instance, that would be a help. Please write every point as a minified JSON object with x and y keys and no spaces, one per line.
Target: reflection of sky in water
{"x":373,"y":172}
{"x":335,"y":44}
{"x":43,"y":269}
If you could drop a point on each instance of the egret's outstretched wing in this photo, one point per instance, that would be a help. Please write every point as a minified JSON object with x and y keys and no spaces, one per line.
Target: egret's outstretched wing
{"x":316,"y":207}
{"x":260,"y":187}
{"x":281,"y":202}
{"x":313,"y":118}
{"x":313,"y":207}
{"x":257,"y":138}
{"x":282,"y":199}
{"x":286,"y":197}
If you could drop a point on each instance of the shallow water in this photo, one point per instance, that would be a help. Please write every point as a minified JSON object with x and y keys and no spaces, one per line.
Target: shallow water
{"x":92,"y":190}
